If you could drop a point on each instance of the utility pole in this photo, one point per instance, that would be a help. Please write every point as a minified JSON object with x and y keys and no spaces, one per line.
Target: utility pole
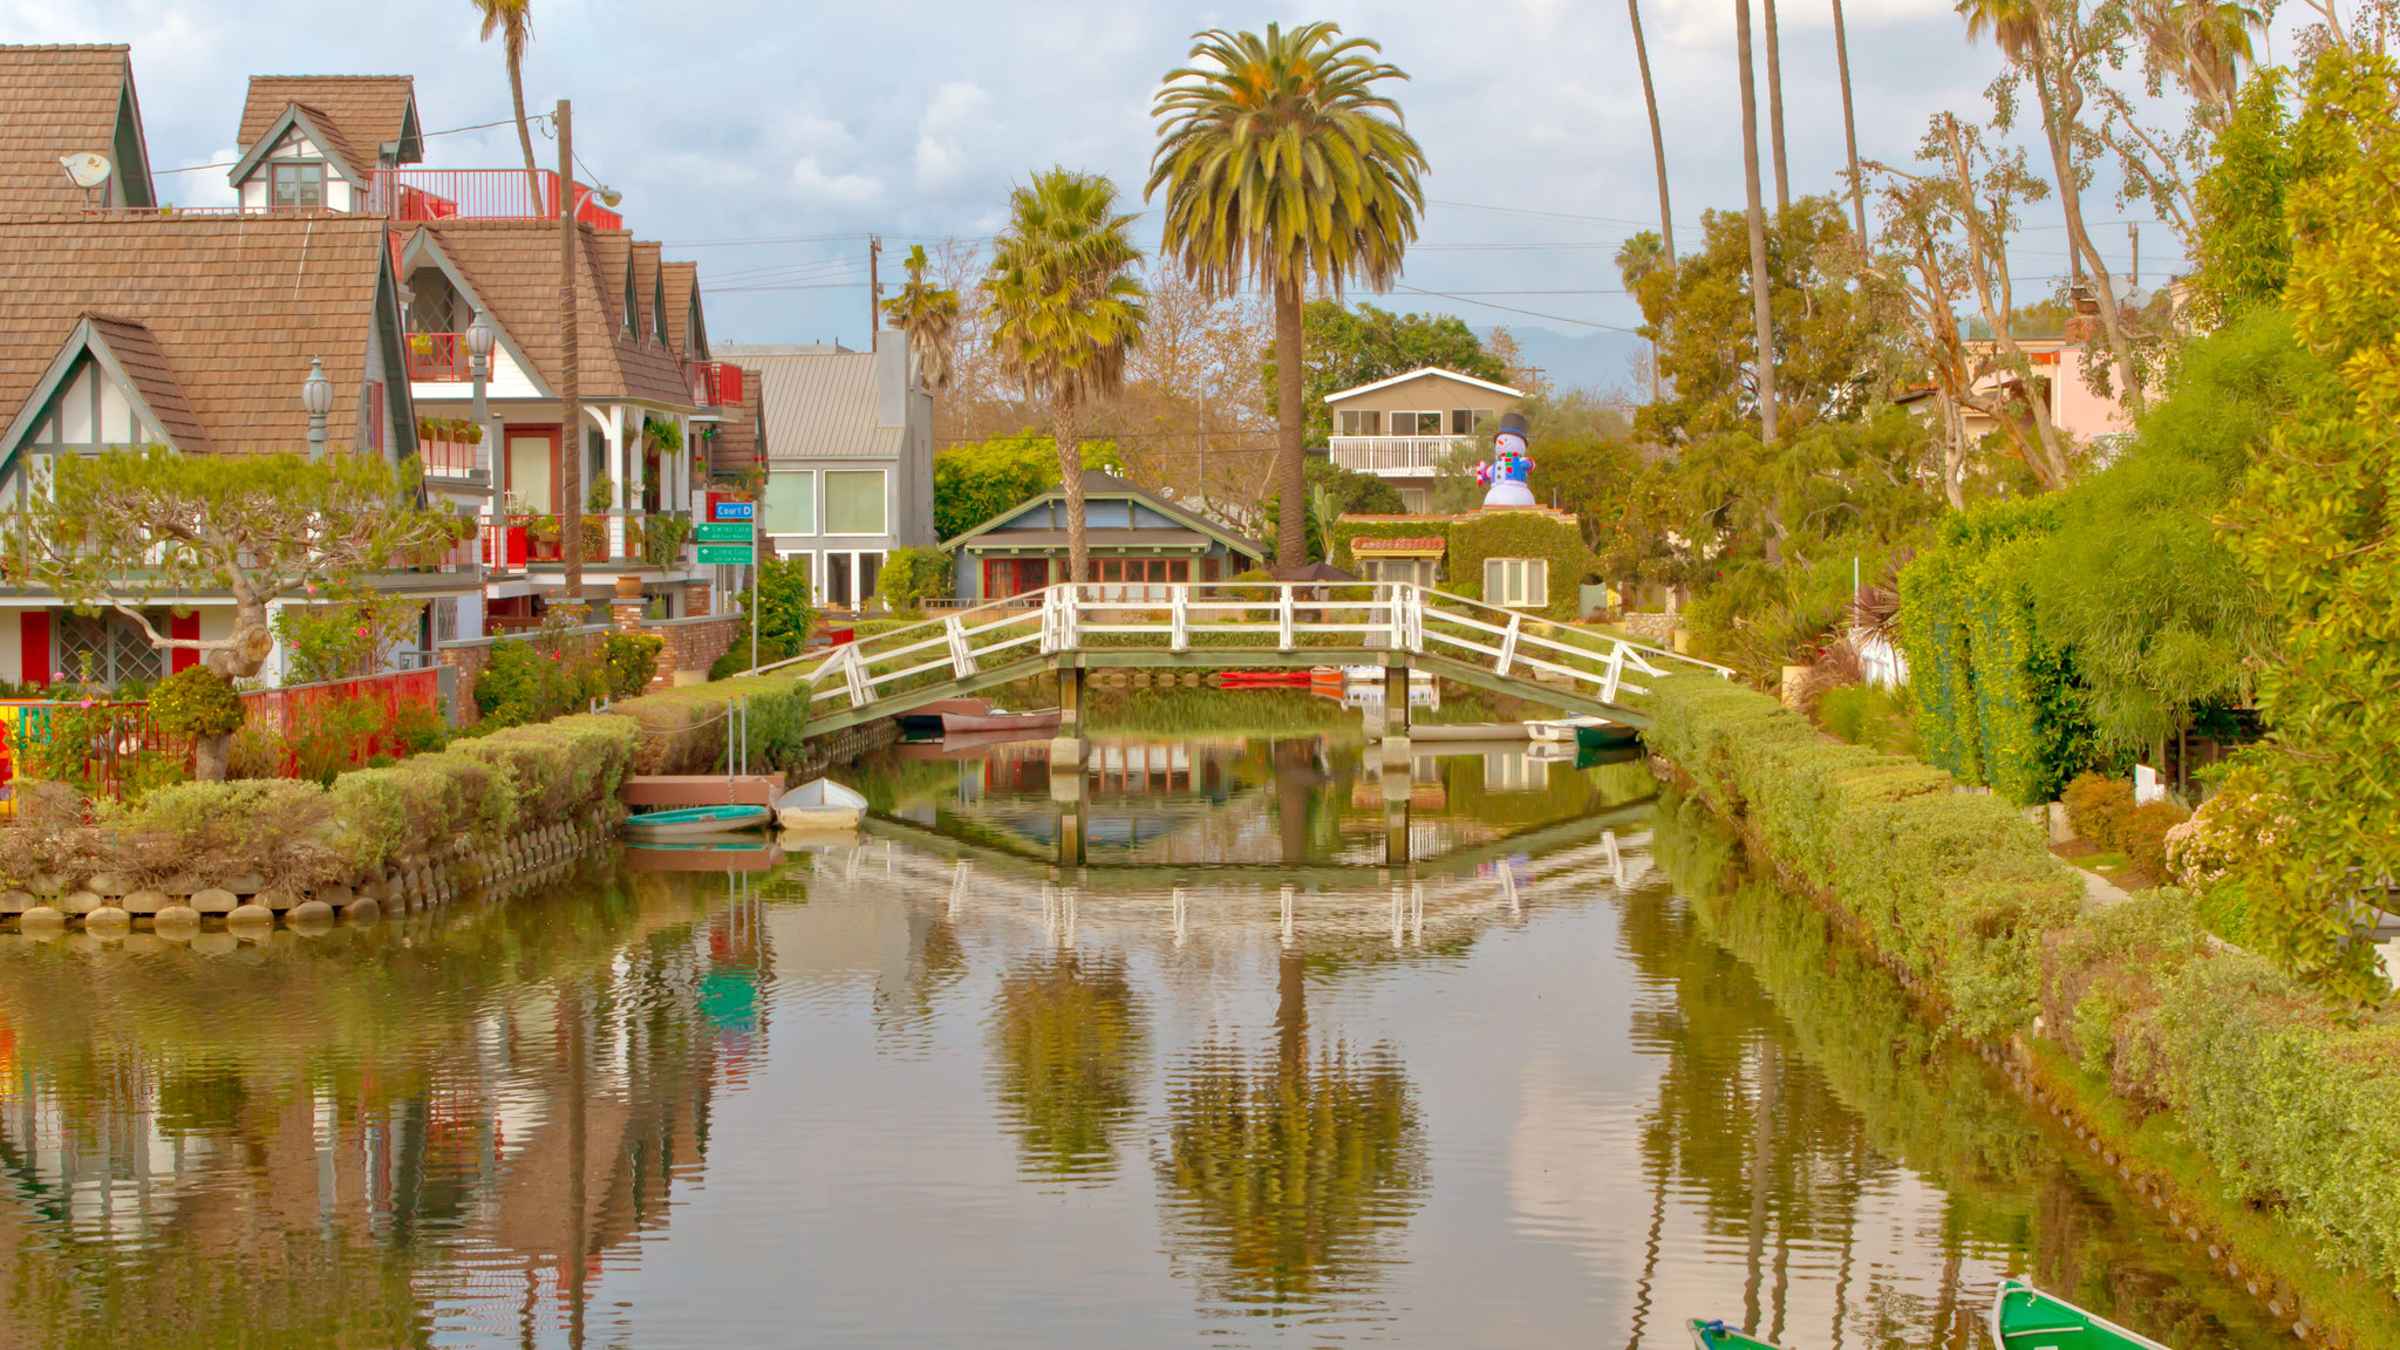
{"x":874,"y":288}
{"x":2133,"y":231}
{"x":570,"y":393}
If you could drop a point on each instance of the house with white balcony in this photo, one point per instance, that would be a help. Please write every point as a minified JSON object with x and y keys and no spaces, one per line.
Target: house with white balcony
{"x":1404,"y":428}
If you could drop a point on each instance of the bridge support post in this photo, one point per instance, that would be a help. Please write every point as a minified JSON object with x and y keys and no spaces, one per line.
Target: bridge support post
{"x":1395,"y":717}
{"x":1396,"y":785}
{"x":1066,"y":748}
{"x":1071,"y":794}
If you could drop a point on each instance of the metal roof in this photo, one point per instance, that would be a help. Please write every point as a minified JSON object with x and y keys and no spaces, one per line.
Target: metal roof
{"x":820,"y":402}
{"x":1099,"y":540}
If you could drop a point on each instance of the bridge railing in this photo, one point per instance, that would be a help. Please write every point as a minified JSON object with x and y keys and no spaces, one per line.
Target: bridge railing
{"x":1234,"y":616}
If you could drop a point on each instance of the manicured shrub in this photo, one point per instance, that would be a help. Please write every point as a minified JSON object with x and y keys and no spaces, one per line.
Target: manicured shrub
{"x":736,"y":659}
{"x":2097,"y":807}
{"x":2142,"y":835}
{"x":196,"y":701}
{"x":684,"y":730}
{"x":536,"y":679}
{"x":630,"y":662}
{"x":912,"y":576}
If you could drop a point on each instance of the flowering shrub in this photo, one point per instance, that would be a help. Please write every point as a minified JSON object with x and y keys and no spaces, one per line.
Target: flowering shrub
{"x":2243,"y":822}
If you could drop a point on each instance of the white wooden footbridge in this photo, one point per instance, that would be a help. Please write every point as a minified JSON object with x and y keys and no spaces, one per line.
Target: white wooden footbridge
{"x":1070,"y":628}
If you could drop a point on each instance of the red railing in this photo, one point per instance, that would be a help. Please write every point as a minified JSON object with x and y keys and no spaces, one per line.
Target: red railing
{"x":438,"y":357}
{"x":715,"y":384}
{"x":445,"y":458}
{"x":537,"y":538}
{"x":409,"y":194}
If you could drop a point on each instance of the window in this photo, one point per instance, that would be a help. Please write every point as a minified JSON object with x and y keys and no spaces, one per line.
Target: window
{"x":791,"y":503}
{"x":850,"y":578}
{"x":445,"y":619}
{"x":1356,"y":422}
{"x":294,"y":185}
{"x":854,"y":502}
{"x":1416,"y":424}
{"x":1521,"y":583}
{"x":1004,"y":577}
{"x":1468,"y":421}
{"x":111,"y":648}
{"x":1408,"y":571}
{"x":1415,"y":500}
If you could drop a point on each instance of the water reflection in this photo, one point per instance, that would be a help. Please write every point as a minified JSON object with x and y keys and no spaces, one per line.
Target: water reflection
{"x":1574,"y":1085}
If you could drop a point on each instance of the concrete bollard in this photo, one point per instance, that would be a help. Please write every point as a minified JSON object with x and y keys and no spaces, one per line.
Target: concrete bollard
{"x":108,"y":918}
{"x":108,"y":884}
{"x":310,"y":916}
{"x":365,"y":909}
{"x":81,"y":902}
{"x":143,"y":902}
{"x":15,"y":902}
{"x":177,"y":919}
{"x":214,"y":900}
{"x":251,"y":916}
{"x":42,"y":921}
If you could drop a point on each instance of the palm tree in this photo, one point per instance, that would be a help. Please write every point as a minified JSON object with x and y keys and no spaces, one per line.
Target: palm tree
{"x":1783,"y":176}
{"x":512,"y":22}
{"x":1858,"y":187}
{"x":1761,"y":316}
{"x":2204,"y":43}
{"x":928,"y":314}
{"x":1658,"y":156}
{"x":1283,"y":165}
{"x":1065,"y":312}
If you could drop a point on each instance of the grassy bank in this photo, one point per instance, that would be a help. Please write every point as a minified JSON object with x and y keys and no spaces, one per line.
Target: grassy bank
{"x":2252,"y":1096}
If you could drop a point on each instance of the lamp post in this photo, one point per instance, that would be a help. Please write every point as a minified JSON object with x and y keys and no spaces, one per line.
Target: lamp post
{"x":316,"y":395}
{"x":479,"y":367}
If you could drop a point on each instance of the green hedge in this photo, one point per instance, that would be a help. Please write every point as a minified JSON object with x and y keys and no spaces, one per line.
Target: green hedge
{"x":1472,"y":538}
{"x":1954,"y":889}
{"x":683,"y":730}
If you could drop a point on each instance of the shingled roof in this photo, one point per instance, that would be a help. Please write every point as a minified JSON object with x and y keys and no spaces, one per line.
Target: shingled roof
{"x":215,"y":318}
{"x":737,"y":449}
{"x":682,"y":278}
{"x":512,"y":266}
{"x":58,"y":101}
{"x":359,"y":113}
{"x":646,"y":324}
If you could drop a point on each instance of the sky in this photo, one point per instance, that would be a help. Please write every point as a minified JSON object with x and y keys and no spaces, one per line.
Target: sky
{"x":769,"y":140}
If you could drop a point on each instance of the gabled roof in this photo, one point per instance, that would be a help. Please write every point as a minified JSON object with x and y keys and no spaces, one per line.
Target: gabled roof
{"x":363,"y":113}
{"x":821,"y":403}
{"x":1099,"y":486}
{"x":60,"y":100}
{"x":512,"y":267}
{"x":648,"y":292}
{"x":219,"y":313}
{"x":321,"y":131}
{"x":737,"y":447}
{"x":683,"y":304}
{"x":611,"y":252}
{"x":1386,"y":383}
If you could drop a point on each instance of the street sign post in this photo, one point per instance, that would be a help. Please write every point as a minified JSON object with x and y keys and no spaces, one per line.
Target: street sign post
{"x":727,"y":555}
{"x":724,"y":531}
{"x":727,"y":539}
{"x":736,"y":510}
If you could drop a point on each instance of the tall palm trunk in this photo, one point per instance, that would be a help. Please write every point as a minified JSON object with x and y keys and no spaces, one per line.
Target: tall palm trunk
{"x":1291,"y":477}
{"x":1070,"y":478}
{"x":1858,"y":187}
{"x":1783,"y":177}
{"x":1761,"y":315}
{"x":516,"y":96}
{"x":570,"y":393}
{"x":1658,"y":157}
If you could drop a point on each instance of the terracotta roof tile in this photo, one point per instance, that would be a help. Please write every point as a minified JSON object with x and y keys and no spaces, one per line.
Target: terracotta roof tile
{"x":234,"y":308}
{"x":683,"y":278}
{"x":57,"y":101}
{"x":360,"y":111}
{"x":513,"y":266}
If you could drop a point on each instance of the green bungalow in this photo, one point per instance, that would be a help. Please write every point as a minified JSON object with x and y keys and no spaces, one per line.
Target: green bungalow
{"x":1137,"y":542}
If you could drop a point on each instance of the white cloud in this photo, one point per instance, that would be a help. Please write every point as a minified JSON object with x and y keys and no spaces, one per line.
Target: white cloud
{"x":955,"y":111}
{"x":812,"y":180}
{"x":202,"y":187}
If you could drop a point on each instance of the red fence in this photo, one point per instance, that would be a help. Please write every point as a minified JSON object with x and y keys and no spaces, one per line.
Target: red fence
{"x":715,"y":384}
{"x":444,"y":458}
{"x":438,"y":357}
{"x":294,"y":713}
{"x":408,"y":194}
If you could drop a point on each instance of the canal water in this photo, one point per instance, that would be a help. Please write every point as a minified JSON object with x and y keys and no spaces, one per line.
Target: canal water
{"x":1570,"y":1081}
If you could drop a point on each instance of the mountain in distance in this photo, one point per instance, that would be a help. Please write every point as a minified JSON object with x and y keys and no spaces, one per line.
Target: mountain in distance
{"x":1597,"y":361}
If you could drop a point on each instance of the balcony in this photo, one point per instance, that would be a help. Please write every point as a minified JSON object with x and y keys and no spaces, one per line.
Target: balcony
{"x":715,"y":384}
{"x":1400,"y":456}
{"x":438,"y":357}
{"x":611,"y":540}
{"x":446,"y":457}
{"x":412,"y":194}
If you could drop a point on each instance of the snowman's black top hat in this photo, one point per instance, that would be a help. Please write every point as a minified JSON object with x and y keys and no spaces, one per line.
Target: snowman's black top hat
{"x":1513,"y":424}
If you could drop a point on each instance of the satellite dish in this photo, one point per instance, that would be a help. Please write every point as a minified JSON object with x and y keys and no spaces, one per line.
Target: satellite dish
{"x":88,"y":168}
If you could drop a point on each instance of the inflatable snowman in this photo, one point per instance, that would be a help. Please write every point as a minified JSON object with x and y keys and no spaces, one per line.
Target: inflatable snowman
{"x":1505,"y":474}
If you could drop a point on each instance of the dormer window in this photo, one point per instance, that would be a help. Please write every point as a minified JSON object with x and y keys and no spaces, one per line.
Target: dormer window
{"x":630,"y":309}
{"x":297,"y":186}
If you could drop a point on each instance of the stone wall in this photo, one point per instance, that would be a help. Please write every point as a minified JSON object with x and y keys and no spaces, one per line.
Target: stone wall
{"x":692,"y":645}
{"x":840,"y":747}
{"x":1656,"y":629}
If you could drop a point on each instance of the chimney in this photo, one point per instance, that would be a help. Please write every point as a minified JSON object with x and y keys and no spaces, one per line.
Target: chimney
{"x":891,"y":378}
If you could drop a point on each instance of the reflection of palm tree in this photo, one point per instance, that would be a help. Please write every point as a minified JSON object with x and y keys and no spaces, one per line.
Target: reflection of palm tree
{"x":1067,"y":1030}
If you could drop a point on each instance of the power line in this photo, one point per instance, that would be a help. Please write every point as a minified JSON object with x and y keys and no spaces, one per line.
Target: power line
{"x":1528,"y":313}
{"x":429,"y":135}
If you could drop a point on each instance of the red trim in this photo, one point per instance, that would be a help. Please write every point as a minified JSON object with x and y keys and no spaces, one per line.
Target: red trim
{"x":508,"y":462}
{"x":187,"y":628}
{"x":33,"y":638}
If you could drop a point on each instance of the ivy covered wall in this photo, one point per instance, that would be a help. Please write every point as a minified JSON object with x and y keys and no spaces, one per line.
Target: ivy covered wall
{"x":1472,"y":538}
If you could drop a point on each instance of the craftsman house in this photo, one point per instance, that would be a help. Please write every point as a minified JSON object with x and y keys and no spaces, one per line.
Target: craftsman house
{"x":1405,"y":428}
{"x":849,"y":460}
{"x":1138,"y":542}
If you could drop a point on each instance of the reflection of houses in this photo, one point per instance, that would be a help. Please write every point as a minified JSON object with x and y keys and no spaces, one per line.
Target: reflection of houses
{"x":1138,"y":541}
{"x":1405,"y":428}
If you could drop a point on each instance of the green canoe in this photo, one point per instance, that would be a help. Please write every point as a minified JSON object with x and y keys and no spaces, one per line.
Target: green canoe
{"x":688,"y":821}
{"x":2025,"y":1318}
{"x":1605,"y":736}
{"x":1715,"y":1335}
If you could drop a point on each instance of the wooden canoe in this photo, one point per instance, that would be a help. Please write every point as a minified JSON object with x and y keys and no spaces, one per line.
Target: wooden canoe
{"x":957,"y":723}
{"x":2025,"y":1318}
{"x":1711,"y":1334}
{"x":690,"y":821}
{"x":820,"y":804}
{"x":926,"y":719}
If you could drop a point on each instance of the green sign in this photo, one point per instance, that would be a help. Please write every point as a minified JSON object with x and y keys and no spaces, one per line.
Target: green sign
{"x":724,"y":531}
{"x":734,"y":555}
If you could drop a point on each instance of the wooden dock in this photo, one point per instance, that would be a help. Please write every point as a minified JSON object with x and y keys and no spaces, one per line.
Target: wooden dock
{"x":646,"y":790}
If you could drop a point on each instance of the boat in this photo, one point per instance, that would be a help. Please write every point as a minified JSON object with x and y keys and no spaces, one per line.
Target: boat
{"x":686,"y":822}
{"x":2025,"y":1318}
{"x":926,"y":719}
{"x":1606,"y":736}
{"x":820,"y":804}
{"x":1711,"y":1334}
{"x":999,"y":719}
{"x":1558,"y":728}
{"x":1467,"y":731}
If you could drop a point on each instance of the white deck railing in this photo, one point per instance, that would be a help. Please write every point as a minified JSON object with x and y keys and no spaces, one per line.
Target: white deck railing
{"x":1235,"y":616}
{"x":1419,"y":455}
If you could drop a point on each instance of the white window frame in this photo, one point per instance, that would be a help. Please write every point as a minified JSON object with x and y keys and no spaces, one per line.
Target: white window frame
{"x":816,"y":503}
{"x":1346,"y":415}
{"x":1532,"y":574}
{"x":820,"y":573}
{"x":825,"y":507}
{"x":1441,"y":420}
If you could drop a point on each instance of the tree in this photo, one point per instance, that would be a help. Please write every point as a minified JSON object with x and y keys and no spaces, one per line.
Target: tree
{"x":1762,"y":318}
{"x":1334,"y":492}
{"x":2244,"y":246}
{"x":1858,"y":187}
{"x":1783,"y":175}
{"x":134,"y":529}
{"x":973,"y":483}
{"x":1283,"y":164}
{"x":1658,"y":140}
{"x":928,"y":314}
{"x":512,"y":22}
{"x":1066,"y":312}
{"x":1067,"y":1035}
{"x":1345,"y":346}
